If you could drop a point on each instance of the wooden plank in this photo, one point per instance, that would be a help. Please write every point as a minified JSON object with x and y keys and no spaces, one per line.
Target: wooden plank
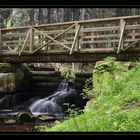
{"x":69,"y":38}
{"x":1,"y":42}
{"x":20,"y":41}
{"x":31,"y":39}
{"x":121,"y":35}
{"x":97,"y":50}
{"x":84,"y":30}
{"x":54,"y":38}
{"x":24,"y":45}
{"x":133,"y":34}
{"x":93,"y":36}
{"x":73,"y":67}
{"x":88,"y":37}
{"x":87,"y":42}
{"x":101,"y":41}
{"x":75,"y":38}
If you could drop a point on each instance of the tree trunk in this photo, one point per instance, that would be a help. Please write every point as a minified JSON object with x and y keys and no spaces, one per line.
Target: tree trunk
{"x":66,"y":14}
{"x":40,"y":16}
{"x":31,"y":12}
{"x":49,"y":15}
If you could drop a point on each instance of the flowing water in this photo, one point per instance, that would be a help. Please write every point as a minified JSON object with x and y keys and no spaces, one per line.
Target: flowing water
{"x":52,"y":105}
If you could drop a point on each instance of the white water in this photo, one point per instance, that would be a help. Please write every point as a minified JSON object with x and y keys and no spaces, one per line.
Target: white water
{"x":50,"y":105}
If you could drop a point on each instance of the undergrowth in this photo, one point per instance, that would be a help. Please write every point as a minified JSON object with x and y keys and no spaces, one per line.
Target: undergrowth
{"x":117,"y":105}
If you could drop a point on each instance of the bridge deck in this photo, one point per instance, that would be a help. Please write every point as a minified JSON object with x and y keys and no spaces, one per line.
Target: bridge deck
{"x":77,"y":41}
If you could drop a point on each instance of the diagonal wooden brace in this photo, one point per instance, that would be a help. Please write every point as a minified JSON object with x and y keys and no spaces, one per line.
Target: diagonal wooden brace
{"x":122,"y":27}
{"x":24,"y":44}
{"x":54,"y":38}
{"x":131,"y":45}
{"x":75,"y":39}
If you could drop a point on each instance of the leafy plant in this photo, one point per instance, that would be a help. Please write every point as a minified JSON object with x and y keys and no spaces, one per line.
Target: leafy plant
{"x":87,"y":89}
{"x":67,"y":72}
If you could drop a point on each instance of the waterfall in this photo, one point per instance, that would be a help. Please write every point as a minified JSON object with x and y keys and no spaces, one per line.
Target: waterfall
{"x":52,"y":105}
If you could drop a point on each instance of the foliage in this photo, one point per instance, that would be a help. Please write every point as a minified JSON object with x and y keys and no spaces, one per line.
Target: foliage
{"x":18,"y":17}
{"x":10,"y":17}
{"x":67,"y":72}
{"x":115,"y":109}
{"x":106,"y":72}
{"x":87,"y":89}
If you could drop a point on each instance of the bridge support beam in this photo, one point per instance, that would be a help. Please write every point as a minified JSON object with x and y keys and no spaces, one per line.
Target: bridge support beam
{"x":66,"y":58}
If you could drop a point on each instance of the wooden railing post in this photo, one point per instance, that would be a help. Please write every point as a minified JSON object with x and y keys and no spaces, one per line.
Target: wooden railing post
{"x":133,"y":35}
{"x":1,"y":42}
{"x":31,"y":39}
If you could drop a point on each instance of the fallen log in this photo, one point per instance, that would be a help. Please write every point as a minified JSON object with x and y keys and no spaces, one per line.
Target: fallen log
{"x":48,"y":79}
{"x":83,"y":74}
{"x":45,"y":73}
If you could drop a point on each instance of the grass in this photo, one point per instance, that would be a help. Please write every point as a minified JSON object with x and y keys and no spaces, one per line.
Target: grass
{"x":116,"y":108}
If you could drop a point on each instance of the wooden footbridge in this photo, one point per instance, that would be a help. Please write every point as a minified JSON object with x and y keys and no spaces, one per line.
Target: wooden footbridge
{"x":77,"y":41}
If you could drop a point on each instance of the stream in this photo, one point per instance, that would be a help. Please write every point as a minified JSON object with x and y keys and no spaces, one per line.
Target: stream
{"x":48,"y":109}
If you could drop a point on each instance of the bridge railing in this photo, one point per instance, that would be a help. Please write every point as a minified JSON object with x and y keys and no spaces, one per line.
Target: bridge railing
{"x":109,"y":34}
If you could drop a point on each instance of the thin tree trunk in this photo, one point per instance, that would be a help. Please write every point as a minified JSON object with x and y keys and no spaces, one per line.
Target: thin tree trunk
{"x":40,"y":16}
{"x":31,"y":16}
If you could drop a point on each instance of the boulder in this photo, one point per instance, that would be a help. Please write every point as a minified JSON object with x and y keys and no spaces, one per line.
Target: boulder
{"x":22,"y":78}
{"x":10,"y":121}
{"x":5,"y":102}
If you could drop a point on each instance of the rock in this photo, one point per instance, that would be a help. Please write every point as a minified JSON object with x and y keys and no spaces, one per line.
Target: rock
{"x":46,"y":118}
{"x":88,"y":105}
{"x":19,"y":98}
{"x":1,"y":119}
{"x":25,"y":117}
{"x":5,"y":102}
{"x":22,"y":78}
{"x":57,"y":122}
{"x":10,"y":121}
